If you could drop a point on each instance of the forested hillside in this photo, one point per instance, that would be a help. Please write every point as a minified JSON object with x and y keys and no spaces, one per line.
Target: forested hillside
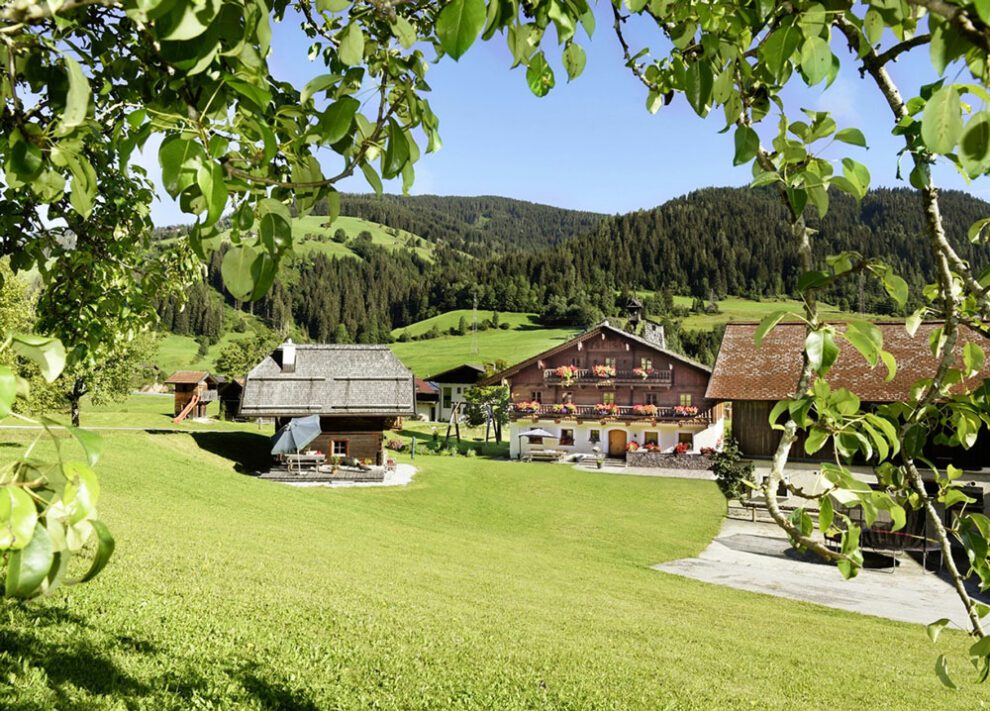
{"x":480,"y":226}
{"x":710,"y":243}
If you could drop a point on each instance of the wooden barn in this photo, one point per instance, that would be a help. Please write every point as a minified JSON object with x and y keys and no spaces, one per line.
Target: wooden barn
{"x":754,"y":379}
{"x":194,"y":391}
{"x":357,"y":390}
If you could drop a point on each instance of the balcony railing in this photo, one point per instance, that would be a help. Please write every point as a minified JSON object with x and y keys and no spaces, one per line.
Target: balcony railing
{"x":624,"y":412}
{"x":587,"y":375}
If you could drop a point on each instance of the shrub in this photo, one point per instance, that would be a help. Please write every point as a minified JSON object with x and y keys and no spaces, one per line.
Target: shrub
{"x":681,"y":448}
{"x":471,"y":453}
{"x":733,"y":475}
{"x":396,"y":444}
{"x":504,"y":326}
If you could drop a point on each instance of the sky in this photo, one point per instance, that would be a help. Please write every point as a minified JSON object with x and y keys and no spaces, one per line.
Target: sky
{"x":590,"y":144}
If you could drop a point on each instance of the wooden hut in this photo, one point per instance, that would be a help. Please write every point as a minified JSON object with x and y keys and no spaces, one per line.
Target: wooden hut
{"x":194,"y":391}
{"x":357,"y":390}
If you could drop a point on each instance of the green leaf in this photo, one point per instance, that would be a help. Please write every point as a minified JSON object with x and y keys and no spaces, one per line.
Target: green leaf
{"x":82,"y":489}
{"x":977,"y":229}
{"x":890,"y":363}
{"x":747,"y":145}
{"x":209,"y":177}
{"x":826,"y":514}
{"x":351,"y":49}
{"x":980,"y":648}
{"x":941,"y":121}
{"x":852,"y":136}
{"x":812,"y":20}
{"x":779,"y":47}
{"x":913,"y":322}
{"x":865,"y":338}
{"x":18,"y":517}
{"x":896,"y":287}
{"x":873,"y":25}
{"x":187,"y":20}
{"x":318,"y":84}
{"x":942,"y":672}
{"x":372,"y":177}
{"x":104,"y":549}
{"x":237,"y":273}
{"x":699,"y":81}
{"x":974,"y":147}
{"x":858,"y":175}
{"x":336,"y":121}
{"x":396,"y":151}
{"x":539,"y":75}
{"x":28,"y":567}
{"x":332,"y":5}
{"x":8,"y":390}
{"x":404,"y":32}
{"x":459,"y":24}
{"x":274,"y":226}
{"x":47,"y":353}
{"x":77,"y":98}
{"x":973,"y":358}
{"x":180,"y":160}
{"x":767,"y":324}
{"x":91,"y":443}
{"x":816,"y":59}
{"x":574,"y":60}
{"x":815,"y":440}
{"x":822,"y":350}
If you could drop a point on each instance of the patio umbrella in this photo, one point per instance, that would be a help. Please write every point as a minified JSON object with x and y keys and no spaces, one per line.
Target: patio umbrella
{"x":538,"y":433}
{"x":296,"y":434}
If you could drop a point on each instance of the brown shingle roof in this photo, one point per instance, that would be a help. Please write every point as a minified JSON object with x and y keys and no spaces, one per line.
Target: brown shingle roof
{"x":745,"y":372}
{"x":187,"y":377}
{"x":330,"y":379}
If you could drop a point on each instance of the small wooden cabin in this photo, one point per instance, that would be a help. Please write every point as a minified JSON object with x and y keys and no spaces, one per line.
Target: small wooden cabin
{"x":195,"y":390}
{"x":357,"y":390}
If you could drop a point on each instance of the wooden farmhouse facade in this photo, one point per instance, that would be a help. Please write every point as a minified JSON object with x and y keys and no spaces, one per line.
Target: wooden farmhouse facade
{"x":606,"y":389}
{"x":755,"y":379}
{"x":357,"y":390}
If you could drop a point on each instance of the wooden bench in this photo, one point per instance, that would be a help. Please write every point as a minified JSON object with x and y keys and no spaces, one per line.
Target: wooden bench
{"x":544,"y":455}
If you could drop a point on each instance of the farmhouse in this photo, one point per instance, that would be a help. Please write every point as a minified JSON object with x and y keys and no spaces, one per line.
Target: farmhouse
{"x":357,"y":390}
{"x":427,"y":400}
{"x":754,"y":379}
{"x":453,"y":384}
{"x":611,"y":390}
{"x":194,"y":391}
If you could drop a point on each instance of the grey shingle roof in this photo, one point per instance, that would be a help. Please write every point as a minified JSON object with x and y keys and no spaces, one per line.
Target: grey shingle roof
{"x":330,"y":380}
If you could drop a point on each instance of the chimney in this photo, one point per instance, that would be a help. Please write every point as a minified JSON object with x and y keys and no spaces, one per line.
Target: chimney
{"x":288,"y":356}
{"x":653,"y":332}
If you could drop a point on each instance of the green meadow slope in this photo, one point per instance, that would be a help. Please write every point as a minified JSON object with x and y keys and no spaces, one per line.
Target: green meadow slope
{"x":524,"y":339}
{"x":484,"y":584}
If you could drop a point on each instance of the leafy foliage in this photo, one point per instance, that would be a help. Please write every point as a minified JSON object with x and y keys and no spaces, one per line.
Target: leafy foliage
{"x":733,"y":474}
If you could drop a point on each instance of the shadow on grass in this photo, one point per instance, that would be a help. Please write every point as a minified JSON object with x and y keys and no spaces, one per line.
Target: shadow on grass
{"x":249,"y":451}
{"x":424,"y":441}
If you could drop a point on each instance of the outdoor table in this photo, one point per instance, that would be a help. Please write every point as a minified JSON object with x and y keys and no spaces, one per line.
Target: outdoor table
{"x":305,"y":459}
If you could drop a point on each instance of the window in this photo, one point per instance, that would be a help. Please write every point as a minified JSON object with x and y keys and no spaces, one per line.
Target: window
{"x":567,"y":437}
{"x":595,"y":436}
{"x":645,"y":363}
{"x":610,"y":362}
{"x":651,"y":438}
{"x":447,"y":397}
{"x":685,"y":438}
{"x":651,"y":398}
{"x":536,"y":440}
{"x":537,"y":396}
{"x":568,"y":397}
{"x":608,"y":398}
{"x":686,"y":399}
{"x":340,"y":447}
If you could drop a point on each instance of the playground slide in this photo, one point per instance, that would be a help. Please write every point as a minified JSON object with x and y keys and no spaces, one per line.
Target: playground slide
{"x":186,"y":410}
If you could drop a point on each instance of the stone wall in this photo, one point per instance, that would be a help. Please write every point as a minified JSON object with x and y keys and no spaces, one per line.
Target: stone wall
{"x":667,"y":460}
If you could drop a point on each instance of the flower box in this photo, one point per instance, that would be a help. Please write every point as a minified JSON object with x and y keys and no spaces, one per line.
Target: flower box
{"x":603,"y":371}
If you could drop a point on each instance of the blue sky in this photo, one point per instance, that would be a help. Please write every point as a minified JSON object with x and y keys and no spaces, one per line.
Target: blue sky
{"x":591,"y":144}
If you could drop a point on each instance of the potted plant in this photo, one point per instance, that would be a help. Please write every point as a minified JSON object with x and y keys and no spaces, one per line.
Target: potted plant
{"x":607,"y":409}
{"x":643,"y":373}
{"x":603,"y":371}
{"x":566,"y":373}
{"x":681,"y":448}
{"x":685,"y":410}
{"x":645,"y":410}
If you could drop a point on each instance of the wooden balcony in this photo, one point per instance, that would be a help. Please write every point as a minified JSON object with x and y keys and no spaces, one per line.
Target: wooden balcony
{"x":522,"y":411}
{"x":587,"y":375}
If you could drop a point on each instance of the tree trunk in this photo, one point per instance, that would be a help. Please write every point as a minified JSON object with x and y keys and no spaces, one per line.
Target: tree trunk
{"x":75,"y":396}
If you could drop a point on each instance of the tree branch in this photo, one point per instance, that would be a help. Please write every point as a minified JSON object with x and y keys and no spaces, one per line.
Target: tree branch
{"x":971,"y":28}
{"x":891,"y":55}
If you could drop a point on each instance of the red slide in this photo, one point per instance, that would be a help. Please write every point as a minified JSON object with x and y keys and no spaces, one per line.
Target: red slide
{"x":186,"y":410}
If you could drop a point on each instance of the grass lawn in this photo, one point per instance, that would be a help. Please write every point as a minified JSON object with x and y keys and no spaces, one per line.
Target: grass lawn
{"x":144,"y":411}
{"x":525,"y":339}
{"x":482,"y":585}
